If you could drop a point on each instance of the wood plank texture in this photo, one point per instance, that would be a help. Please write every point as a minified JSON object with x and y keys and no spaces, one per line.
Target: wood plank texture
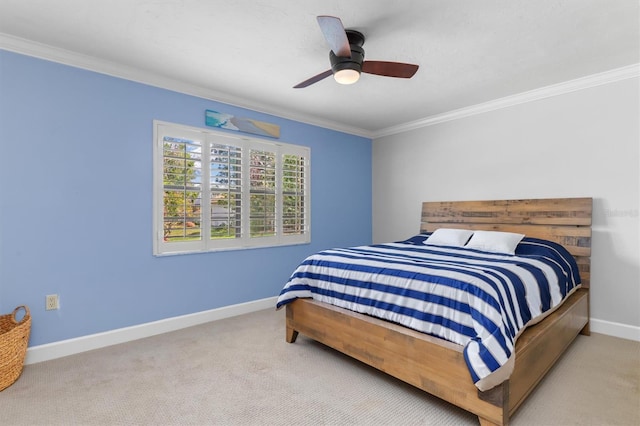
{"x":540,"y":346}
{"x":548,"y":211}
{"x":437,"y":366}
{"x":426,"y":362}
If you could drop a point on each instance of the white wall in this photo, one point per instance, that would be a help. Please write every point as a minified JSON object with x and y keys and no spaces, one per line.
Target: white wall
{"x":578,"y":144}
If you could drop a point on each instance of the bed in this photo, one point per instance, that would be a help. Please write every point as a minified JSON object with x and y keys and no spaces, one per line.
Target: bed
{"x":438,"y":366}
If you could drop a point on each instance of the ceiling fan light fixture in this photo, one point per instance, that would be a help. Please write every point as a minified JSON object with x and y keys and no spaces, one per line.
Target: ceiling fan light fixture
{"x":346,"y":76}
{"x":346,"y":70}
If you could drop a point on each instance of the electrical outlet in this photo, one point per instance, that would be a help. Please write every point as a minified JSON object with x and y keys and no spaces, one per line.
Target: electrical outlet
{"x":52,"y":302}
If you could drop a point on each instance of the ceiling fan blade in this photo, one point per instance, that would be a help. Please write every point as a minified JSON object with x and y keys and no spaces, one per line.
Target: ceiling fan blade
{"x":389,"y":69}
{"x":335,"y":35}
{"x":314,"y":79}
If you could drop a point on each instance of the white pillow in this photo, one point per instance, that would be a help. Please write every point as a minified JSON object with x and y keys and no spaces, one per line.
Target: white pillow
{"x":449,"y":237}
{"x":495,"y":241}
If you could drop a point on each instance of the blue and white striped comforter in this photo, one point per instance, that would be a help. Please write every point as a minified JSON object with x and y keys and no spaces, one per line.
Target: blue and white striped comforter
{"x":479,"y":300}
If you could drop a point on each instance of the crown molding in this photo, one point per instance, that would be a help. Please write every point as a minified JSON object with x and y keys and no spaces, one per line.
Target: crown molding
{"x":54,"y":54}
{"x":623,"y":73}
{"x":113,"y":69}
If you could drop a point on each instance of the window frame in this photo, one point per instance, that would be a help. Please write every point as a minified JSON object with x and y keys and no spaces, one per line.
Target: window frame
{"x":206,"y":138}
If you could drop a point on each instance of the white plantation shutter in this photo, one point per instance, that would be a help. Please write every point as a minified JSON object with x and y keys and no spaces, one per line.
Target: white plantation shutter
{"x":217,"y":191}
{"x":294,"y":178}
{"x":262,"y":183}
{"x":226,"y":191}
{"x":182,"y":189}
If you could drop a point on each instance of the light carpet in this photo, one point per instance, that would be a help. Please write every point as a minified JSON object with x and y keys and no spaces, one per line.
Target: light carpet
{"x":240,"y":371}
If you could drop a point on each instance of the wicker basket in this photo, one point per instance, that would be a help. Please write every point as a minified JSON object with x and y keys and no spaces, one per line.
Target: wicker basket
{"x":14,"y":337}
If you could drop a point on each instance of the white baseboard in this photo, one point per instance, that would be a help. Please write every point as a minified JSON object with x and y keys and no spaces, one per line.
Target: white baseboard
{"x":615,"y":329}
{"x":63,"y":348}
{"x":77,"y":345}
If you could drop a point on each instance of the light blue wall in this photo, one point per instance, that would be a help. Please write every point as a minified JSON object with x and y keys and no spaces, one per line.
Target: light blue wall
{"x":76,"y":209}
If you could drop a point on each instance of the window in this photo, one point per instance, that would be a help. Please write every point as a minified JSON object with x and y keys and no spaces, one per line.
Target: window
{"x":217,"y":191}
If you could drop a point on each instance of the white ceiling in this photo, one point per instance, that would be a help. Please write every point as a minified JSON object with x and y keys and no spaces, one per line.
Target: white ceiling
{"x":251,"y":53}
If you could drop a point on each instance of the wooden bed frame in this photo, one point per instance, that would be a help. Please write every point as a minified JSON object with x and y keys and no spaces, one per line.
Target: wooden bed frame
{"x":437,"y":366}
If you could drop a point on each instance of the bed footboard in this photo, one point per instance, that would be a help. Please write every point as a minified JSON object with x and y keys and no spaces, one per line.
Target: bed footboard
{"x":431,"y":364}
{"x":435,"y":365}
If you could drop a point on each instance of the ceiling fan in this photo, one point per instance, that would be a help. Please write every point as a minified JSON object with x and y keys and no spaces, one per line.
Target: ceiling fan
{"x":347,"y":57}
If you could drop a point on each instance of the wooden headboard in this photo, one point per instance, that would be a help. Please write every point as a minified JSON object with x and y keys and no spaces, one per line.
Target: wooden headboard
{"x":566,"y":221}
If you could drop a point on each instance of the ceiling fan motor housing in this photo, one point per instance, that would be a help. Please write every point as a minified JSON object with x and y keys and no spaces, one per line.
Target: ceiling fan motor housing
{"x":356,"y":40}
{"x":353,"y":63}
